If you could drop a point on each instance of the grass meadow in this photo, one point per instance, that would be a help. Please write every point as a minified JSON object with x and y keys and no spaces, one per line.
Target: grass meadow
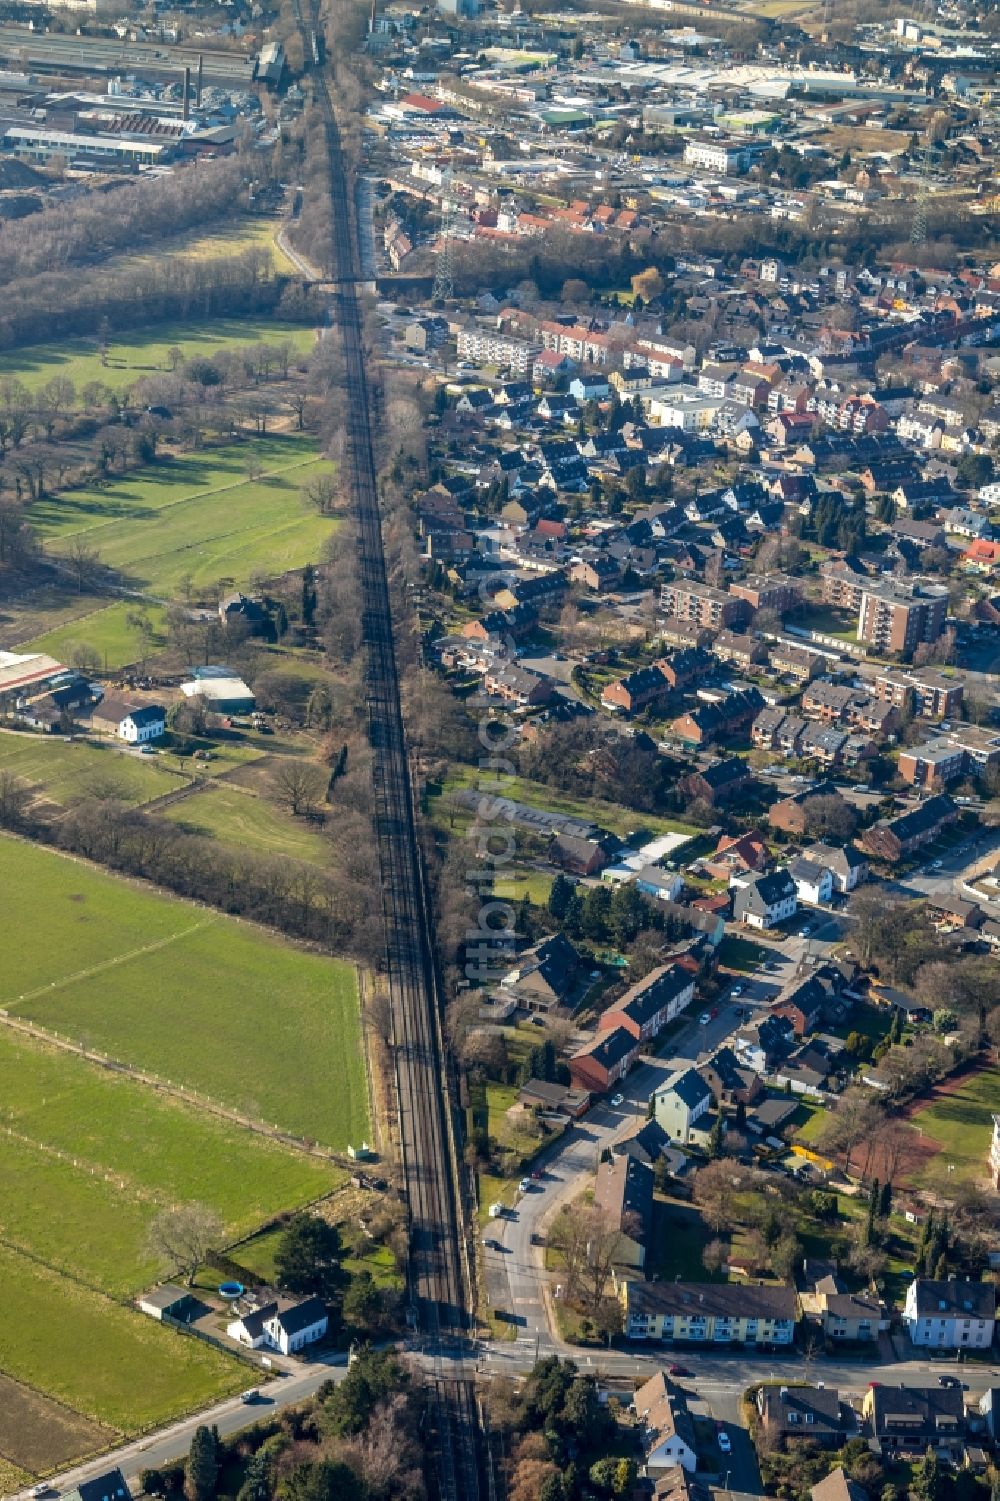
{"x":106,"y":631}
{"x":196,"y":998}
{"x":197,"y":517}
{"x":67,"y":773}
{"x":240,"y":819}
{"x":145,"y":351}
{"x":960,"y":1122}
{"x":106,"y":1362}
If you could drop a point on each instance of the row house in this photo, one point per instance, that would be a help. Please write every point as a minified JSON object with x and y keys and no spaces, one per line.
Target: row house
{"x":796,"y":662}
{"x":742,"y":651}
{"x":645,"y":688}
{"x":603,"y":1062}
{"x":892,"y":839}
{"x":516,"y":685}
{"x":646,"y":1007}
{"x":716,"y":721}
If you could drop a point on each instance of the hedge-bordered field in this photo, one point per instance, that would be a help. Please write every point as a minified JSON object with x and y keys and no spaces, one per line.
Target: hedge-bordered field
{"x":219,"y":1006}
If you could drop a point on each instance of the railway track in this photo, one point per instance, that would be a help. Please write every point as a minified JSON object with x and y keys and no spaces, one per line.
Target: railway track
{"x":438,"y":1275}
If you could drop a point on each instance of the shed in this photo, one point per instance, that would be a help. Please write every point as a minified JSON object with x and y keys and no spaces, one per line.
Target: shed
{"x":168,"y":1301}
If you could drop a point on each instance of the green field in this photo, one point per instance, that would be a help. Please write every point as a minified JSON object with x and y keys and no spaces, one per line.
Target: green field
{"x":229,"y":1011}
{"x":71,"y":772}
{"x":144,"y":351}
{"x":198,"y":517}
{"x":106,"y":631}
{"x":104,"y":1361}
{"x":244,"y":821}
{"x":961,"y":1123}
{"x":12,"y":1479}
{"x":88,"y":1157}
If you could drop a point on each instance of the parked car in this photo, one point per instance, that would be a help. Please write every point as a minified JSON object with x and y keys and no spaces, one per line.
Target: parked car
{"x":617,"y":1099}
{"x":704,"y":1019}
{"x":725,"y":1442}
{"x":253,"y":1395}
{"x":524,"y":1185}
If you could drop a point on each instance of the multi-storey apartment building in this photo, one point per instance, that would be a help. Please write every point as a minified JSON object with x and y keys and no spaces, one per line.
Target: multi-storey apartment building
{"x":700,"y":604}
{"x":895,"y":619}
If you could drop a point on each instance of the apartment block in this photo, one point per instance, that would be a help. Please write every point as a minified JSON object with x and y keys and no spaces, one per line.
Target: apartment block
{"x":931,"y":694}
{"x":934,"y":764}
{"x":896,"y":620}
{"x":773,"y":591}
{"x":487,"y":347}
{"x":708,"y":1313}
{"x":700,"y":604}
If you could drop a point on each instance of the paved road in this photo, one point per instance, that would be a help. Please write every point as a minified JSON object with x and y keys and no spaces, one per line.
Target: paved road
{"x":172,"y":1444}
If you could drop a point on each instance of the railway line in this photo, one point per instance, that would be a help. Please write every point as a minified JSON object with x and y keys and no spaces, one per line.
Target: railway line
{"x":438,"y":1274}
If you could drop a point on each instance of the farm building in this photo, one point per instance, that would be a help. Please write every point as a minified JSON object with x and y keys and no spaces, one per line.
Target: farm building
{"x":228,"y":695}
{"x":168,"y":1301}
{"x":24,"y":674}
{"x":136,"y":724}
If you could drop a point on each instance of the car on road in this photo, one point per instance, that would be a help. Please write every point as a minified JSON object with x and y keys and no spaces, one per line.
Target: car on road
{"x":949,"y":1381}
{"x":680,"y":1370}
{"x":41,"y":1489}
{"x":936,"y":864}
{"x":704,"y":1019}
{"x":524,"y":1185}
{"x":617,"y":1099}
{"x":714,"y":1012}
{"x":737,"y":990}
{"x":725,"y":1442}
{"x":536,"y":1176}
{"x":253,"y":1395}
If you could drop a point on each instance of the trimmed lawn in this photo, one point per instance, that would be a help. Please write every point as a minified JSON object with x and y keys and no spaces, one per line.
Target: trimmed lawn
{"x":740,"y":953}
{"x":106,"y":632}
{"x":960,"y":1122}
{"x":144,"y":351}
{"x":190,"y":995}
{"x":198,"y":516}
{"x":533,"y":884}
{"x":612,"y":816}
{"x":680,"y":1235}
{"x":69,"y":773}
{"x":95,"y":1155}
{"x":107,"y":1362}
{"x":242,"y":820}
{"x":809,"y":1123}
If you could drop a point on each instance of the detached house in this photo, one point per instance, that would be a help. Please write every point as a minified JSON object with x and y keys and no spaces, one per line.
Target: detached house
{"x":796,"y":1412}
{"x":136,"y":724}
{"x":766,"y":900}
{"x":287,"y":1326}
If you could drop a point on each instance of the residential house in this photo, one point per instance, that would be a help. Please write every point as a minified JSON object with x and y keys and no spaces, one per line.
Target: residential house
{"x":111,"y":1486}
{"x":709,"y":1313}
{"x":801,"y":1002}
{"x":517,"y":685}
{"x":765,"y":1042}
{"x":645,"y":688}
{"x":813,"y":882}
{"x":667,"y":1428}
{"x":597,"y":574}
{"x":765,"y":900}
{"x":287,"y":1326}
{"x":846,"y":864}
{"x":623,"y":1192}
{"x":715,"y":721}
{"x":852,"y":1318}
{"x":718,"y":781}
{"x":249,"y":612}
{"x":579,"y":854}
{"x":912,"y":1419}
{"x":136,"y":724}
{"x":817,"y":1413}
{"x":648,"y":1005}
{"x":731,"y":1082}
{"x":892,"y":839}
{"x":838,"y":1487}
{"x":791,"y":813}
{"x":950,"y":1315}
{"x":544,"y":975}
{"x":554,"y":1099}
{"x":680,"y":1102}
{"x":601,"y":1063}
{"x":735,"y":854}
{"x":744,"y":652}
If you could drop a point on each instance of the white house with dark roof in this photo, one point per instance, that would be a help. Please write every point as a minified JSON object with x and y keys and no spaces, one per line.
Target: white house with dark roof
{"x":287,"y":1326}
{"x":763,"y":901}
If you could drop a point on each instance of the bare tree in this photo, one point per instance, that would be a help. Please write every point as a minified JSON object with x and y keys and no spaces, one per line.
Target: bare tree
{"x":298,"y":786}
{"x":84,"y":561}
{"x":15,"y":795}
{"x":183,"y":1236}
{"x":321,"y":491}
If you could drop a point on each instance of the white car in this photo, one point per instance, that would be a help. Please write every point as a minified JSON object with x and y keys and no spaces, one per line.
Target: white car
{"x":737,"y":990}
{"x":524,"y":1185}
{"x":617,"y":1099}
{"x":253,"y":1395}
{"x":704,"y":1019}
{"x":725,"y":1442}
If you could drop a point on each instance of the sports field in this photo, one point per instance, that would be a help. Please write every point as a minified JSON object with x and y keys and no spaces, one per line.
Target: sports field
{"x":198,"y":516}
{"x":196,"y":998}
{"x":106,"y":631}
{"x":69,"y":773}
{"x":145,"y":351}
{"x":957,"y":1122}
{"x":243,"y":820}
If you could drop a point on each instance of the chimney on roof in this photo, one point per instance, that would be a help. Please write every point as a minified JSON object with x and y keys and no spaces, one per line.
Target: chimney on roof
{"x":186,"y":104}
